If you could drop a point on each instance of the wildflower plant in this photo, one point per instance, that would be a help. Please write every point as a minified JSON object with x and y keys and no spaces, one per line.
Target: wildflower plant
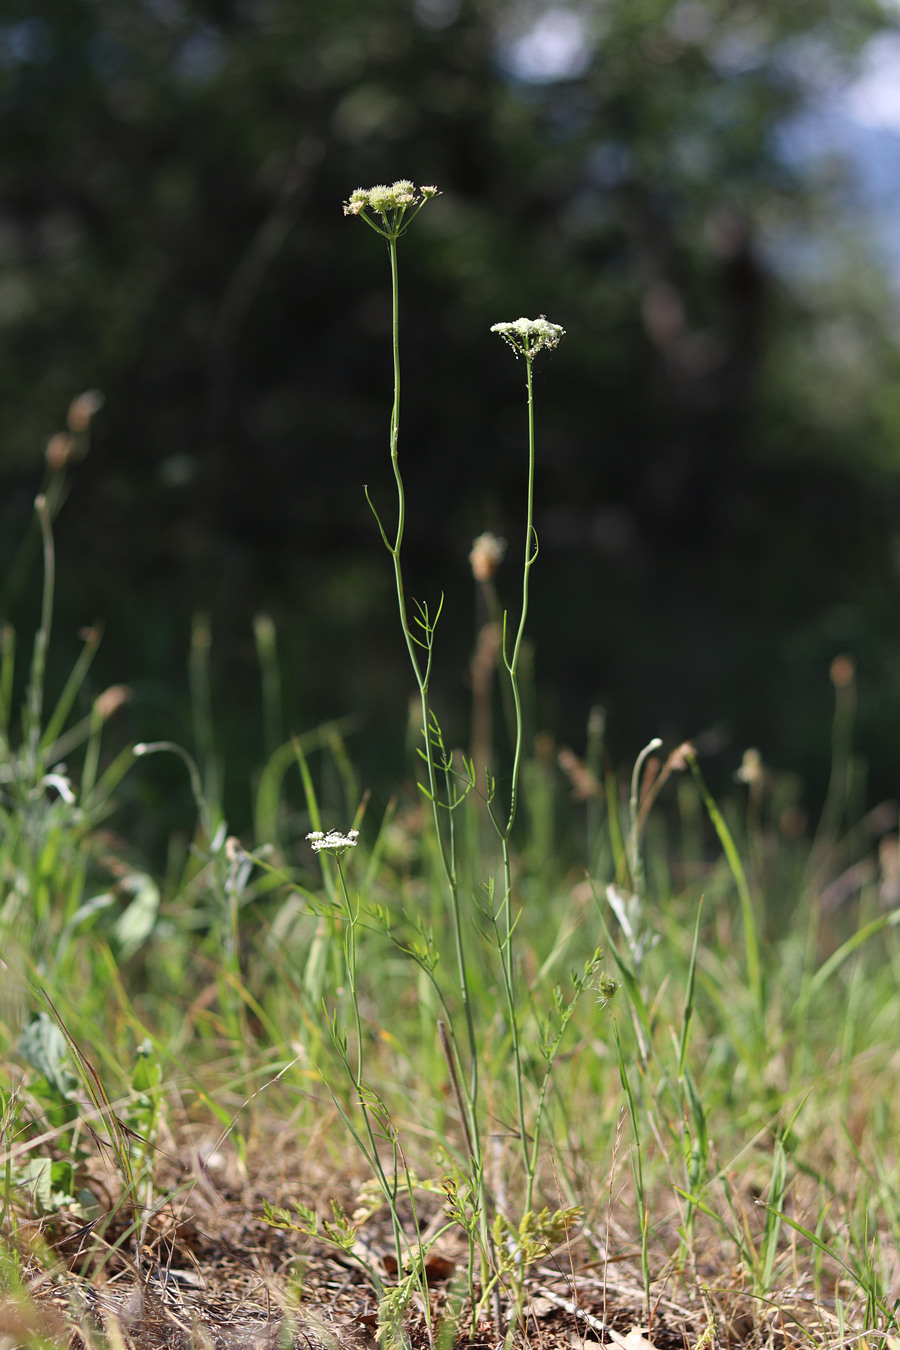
{"x":448,"y":780}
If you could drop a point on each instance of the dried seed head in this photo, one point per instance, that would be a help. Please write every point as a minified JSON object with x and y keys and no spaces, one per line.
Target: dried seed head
{"x":486,"y":555}
{"x":59,"y":450}
{"x":111,"y":700}
{"x":234,"y":849}
{"x":843,"y":672}
{"x":82,"y":409}
{"x":584,"y":783}
{"x":680,"y":758}
{"x":752,"y":769}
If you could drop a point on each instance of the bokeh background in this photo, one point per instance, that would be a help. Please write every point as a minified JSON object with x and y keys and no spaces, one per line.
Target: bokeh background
{"x":705,"y":193}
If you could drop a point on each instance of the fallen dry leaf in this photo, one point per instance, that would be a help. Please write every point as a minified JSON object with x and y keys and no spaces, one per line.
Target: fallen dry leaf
{"x":635,"y":1340}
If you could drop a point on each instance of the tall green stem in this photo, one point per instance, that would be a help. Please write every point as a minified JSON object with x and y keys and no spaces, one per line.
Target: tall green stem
{"x":42,"y":637}
{"x":423,"y":679}
{"x":389,"y":1188}
{"x":512,"y":664}
{"x":530,"y":556}
{"x":527,"y":337}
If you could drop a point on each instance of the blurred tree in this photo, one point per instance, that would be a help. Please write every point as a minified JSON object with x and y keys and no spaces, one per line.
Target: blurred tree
{"x":718,"y":439}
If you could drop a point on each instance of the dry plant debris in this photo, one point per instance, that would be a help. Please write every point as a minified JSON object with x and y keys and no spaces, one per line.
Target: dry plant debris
{"x":208,"y":1274}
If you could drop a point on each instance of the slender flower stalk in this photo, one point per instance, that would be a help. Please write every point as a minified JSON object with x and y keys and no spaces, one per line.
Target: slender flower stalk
{"x":355,"y":1067}
{"x":526,"y":337}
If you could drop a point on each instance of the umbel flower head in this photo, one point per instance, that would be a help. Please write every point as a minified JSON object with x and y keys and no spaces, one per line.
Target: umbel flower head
{"x":333,"y":841}
{"x":393,"y":204}
{"x":527,"y":337}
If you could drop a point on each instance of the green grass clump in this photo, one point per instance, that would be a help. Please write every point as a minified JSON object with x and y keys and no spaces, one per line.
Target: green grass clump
{"x":532,"y":1023}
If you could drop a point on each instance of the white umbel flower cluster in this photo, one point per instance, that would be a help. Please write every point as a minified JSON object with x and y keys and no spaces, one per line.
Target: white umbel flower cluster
{"x":527,"y":337}
{"x":333,"y":841}
{"x":382,"y":198}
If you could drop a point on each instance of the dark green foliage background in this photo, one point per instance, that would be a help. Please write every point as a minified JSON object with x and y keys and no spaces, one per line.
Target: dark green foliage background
{"x":718,"y":437}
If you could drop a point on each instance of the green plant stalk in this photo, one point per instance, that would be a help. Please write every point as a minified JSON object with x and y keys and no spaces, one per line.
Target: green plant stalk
{"x":266,"y":640}
{"x":695,"y":1151}
{"x":91,"y":765}
{"x":507,"y":959}
{"x":638,"y":1169}
{"x":640,"y":1014}
{"x":35,"y":698}
{"x":201,"y":713}
{"x":326,"y":942}
{"x":689,"y":996}
{"x":7,"y":1133}
{"x":389,"y":1188}
{"x":353,"y":799}
{"x":233,"y":978}
{"x":837,"y":796}
{"x":450,"y":1057}
{"x":235,"y":1011}
{"x":76,"y":880}
{"x":531,"y":552}
{"x":156,"y":747}
{"x":695,"y":1148}
{"x":423,"y":678}
{"x":614,"y":825}
{"x":769,"y":1244}
{"x":93,"y":1085}
{"x":96,"y":802}
{"x":7,"y":675}
{"x":76,"y":678}
{"x":748,"y":918}
{"x":635,"y":862}
{"x":536,"y":1128}
{"x":265,"y":808}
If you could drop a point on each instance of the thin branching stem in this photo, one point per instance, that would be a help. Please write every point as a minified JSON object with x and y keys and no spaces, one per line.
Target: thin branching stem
{"x":422,"y":673}
{"x":423,"y":681}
